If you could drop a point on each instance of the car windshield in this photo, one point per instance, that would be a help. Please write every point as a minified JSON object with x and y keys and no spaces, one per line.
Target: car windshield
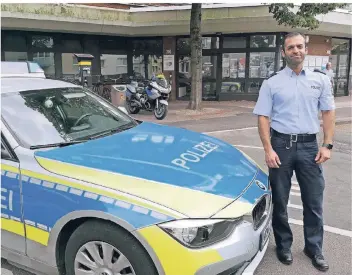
{"x":60,"y":115}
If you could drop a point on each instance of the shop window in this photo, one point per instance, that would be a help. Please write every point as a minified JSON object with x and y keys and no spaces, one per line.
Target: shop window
{"x":138,"y":65}
{"x":46,"y":62}
{"x":15,"y":56}
{"x":155,"y":65}
{"x":112,"y":64}
{"x":71,"y":45}
{"x":233,"y":65}
{"x":41,"y":41}
{"x":209,"y":90}
{"x":184,"y":76}
{"x":342,"y":80}
{"x":234,"y":42}
{"x":144,"y":66}
{"x":210,"y":42}
{"x":236,"y":86}
{"x":209,"y":67}
{"x":343,"y":66}
{"x":254,"y":86}
{"x":149,"y":45}
{"x":262,"y":64}
{"x":183,"y":45}
{"x":14,"y":42}
{"x":113,"y":43}
{"x":339,"y":59}
{"x":263,"y":41}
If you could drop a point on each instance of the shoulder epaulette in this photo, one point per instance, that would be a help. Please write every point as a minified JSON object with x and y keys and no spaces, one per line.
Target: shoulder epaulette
{"x":274,"y":73}
{"x":319,"y":71}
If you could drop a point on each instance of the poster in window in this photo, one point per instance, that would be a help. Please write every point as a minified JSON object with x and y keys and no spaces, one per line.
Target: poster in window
{"x":169,"y":64}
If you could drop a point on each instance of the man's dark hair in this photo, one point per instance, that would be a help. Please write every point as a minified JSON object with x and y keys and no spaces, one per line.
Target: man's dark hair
{"x":292,"y":34}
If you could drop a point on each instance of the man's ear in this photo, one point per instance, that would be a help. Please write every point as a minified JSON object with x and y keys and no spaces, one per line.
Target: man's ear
{"x":283,"y":52}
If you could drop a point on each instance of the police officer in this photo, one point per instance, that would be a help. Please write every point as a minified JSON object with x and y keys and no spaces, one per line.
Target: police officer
{"x":287,"y":108}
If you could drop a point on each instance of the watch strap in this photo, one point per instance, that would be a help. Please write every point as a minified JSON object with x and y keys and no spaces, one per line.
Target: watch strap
{"x":327,"y":145}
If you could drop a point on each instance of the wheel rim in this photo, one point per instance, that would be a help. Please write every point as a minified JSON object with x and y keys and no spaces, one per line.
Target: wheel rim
{"x":160,"y":110}
{"x":100,"y":258}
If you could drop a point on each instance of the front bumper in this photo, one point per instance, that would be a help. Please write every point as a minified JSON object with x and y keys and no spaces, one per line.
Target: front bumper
{"x":239,"y":254}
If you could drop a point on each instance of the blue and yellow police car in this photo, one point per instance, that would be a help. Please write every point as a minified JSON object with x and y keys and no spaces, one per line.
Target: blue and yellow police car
{"x":88,"y":190}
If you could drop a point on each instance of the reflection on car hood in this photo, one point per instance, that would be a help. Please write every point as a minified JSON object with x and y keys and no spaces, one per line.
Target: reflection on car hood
{"x":189,"y":172}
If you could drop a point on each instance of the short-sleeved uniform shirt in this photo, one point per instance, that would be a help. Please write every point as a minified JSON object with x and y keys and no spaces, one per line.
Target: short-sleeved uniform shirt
{"x":293,"y":102}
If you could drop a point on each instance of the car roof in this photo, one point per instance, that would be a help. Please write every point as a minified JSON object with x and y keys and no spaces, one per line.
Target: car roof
{"x":19,"y":84}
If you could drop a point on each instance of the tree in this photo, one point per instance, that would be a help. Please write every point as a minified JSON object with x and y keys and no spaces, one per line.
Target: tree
{"x":304,"y":17}
{"x":284,"y":14}
{"x":196,"y":57}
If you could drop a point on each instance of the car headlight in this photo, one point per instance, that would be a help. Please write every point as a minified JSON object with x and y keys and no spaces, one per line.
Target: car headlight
{"x":200,"y":233}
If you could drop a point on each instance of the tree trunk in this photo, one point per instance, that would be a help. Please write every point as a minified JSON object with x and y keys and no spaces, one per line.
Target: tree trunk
{"x":196,"y":57}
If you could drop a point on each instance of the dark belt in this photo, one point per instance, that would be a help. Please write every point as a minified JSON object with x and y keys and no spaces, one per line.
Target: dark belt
{"x":294,"y":137}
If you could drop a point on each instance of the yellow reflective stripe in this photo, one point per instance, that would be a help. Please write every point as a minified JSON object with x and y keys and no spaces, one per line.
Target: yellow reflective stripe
{"x":85,"y":63}
{"x":254,"y":162}
{"x":9,"y":168}
{"x":183,"y":261}
{"x":12,"y":226}
{"x":96,"y":191}
{"x":37,"y":235}
{"x":33,"y":233}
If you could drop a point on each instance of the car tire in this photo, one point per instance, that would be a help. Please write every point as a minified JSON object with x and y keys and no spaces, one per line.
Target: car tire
{"x":108,"y":234}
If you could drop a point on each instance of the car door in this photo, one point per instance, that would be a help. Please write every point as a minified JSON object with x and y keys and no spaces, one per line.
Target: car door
{"x":12,"y":225}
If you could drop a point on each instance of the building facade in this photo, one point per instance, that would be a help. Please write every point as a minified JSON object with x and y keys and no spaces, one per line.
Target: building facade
{"x":241,"y":44}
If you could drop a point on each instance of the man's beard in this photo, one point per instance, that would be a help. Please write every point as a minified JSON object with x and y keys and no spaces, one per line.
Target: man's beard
{"x":293,"y":62}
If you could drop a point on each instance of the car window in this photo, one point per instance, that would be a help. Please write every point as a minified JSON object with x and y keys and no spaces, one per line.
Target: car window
{"x":59,"y":115}
{"x":5,"y":152}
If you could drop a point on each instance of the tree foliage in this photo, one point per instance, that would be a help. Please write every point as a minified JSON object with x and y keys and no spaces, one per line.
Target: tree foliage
{"x":284,"y":14}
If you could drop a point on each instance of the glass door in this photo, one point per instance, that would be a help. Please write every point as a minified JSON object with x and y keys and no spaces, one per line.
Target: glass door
{"x":339,"y":59}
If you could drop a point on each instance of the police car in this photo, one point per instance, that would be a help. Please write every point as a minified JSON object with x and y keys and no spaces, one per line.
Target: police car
{"x":86,"y":189}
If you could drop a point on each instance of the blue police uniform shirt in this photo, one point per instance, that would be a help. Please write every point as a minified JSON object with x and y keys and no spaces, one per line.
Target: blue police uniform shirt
{"x":293,"y":102}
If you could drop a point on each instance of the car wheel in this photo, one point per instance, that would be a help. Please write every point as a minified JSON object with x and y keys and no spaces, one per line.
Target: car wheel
{"x":102,"y":248}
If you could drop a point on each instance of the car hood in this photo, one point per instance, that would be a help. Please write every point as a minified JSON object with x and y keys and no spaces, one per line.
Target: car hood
{"x":191,"y":173}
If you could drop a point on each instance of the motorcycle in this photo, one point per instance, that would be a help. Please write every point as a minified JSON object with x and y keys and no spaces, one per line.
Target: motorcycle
{"x":153,"y":98}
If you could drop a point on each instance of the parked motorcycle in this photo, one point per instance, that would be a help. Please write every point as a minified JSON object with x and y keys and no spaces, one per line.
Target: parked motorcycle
{"x":154,"y":97}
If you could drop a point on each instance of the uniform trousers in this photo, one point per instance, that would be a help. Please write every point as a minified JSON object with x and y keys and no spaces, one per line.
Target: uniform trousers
{"x":298,"y":157}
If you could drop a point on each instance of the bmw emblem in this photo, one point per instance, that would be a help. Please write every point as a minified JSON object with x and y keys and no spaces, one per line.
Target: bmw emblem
{"x":261,"y":185}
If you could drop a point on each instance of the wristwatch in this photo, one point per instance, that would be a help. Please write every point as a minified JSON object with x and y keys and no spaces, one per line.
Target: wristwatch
{"x":329,"y":146}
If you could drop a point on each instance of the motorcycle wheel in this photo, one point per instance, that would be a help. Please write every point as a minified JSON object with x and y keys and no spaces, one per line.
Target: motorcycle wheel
{"x":161,"y":112}
{"x":131,"y":109}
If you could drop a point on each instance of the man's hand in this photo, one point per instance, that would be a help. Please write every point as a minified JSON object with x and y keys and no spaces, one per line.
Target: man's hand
{"x":323,"y":155}
{"x":272,"y":159}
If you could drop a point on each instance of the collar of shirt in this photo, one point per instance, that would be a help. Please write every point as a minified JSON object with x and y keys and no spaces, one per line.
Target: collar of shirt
{"x":291,"y":73}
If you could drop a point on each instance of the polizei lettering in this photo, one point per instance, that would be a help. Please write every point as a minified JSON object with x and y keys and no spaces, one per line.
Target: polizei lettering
{"x":198,"y":152}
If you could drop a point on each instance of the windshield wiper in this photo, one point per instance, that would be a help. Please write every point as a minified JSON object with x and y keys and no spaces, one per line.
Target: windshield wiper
{"x":59,"y":144}
{"x":114,"y":130}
